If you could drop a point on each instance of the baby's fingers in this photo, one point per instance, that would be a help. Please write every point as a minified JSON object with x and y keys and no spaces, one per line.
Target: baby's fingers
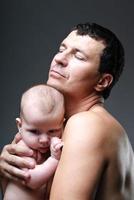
{"x":59,"y":146}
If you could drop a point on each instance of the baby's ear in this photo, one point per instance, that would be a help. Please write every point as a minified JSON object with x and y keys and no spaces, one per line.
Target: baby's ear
{"x":18,"y":123}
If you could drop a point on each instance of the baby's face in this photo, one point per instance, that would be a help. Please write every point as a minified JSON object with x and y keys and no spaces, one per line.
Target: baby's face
{"x":38,"y":130}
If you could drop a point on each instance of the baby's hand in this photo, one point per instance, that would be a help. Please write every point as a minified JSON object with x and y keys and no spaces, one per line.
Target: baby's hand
{"x":55,"y":147}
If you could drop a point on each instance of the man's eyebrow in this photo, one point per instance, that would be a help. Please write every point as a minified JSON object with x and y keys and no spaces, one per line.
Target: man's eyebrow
{"x":62,"y":44}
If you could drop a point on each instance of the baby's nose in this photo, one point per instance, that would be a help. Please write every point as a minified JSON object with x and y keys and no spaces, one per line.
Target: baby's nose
{"x":44,"y":139}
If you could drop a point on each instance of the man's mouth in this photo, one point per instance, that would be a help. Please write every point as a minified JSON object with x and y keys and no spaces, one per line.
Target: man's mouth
{"x":56,"y":73}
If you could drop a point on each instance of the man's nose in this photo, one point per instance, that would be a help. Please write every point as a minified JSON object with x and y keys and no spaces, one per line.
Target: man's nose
{"x":62,"y":58}
{"x":44,"y":139}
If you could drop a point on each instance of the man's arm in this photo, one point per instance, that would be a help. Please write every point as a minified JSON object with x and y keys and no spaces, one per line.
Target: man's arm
{"x":82,"y":161}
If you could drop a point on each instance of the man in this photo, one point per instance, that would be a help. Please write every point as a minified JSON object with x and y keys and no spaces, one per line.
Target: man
{"x":97,"y":160}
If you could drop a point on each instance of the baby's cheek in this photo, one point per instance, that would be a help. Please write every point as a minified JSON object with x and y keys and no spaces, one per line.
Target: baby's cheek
{"x":32,"y":143}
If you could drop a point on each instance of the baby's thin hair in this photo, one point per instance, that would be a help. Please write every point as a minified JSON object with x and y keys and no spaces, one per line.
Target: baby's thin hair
{"x":44,"y":96}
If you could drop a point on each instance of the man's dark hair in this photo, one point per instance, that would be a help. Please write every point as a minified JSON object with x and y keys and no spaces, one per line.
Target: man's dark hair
{"x":112,"y":58}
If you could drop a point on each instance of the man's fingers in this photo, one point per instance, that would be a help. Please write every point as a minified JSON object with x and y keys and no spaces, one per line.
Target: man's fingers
{"x":17,"y":138}
{"x":11,"y":165}
{"x":20,"y":162}
{"x":11,"y":159}
{"x":10,"y":171}
{"x":21,"y":179}
{"x":19,"y":150}
{"x":17,"y":173}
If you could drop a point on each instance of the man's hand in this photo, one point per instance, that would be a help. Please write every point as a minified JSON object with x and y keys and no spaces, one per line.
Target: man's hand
{"x":11,"y":162}
{"x":55,"y":147}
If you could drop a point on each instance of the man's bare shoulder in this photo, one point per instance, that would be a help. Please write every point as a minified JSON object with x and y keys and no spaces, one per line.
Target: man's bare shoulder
{"x":96,"y":119}
{"x":96,"y":126}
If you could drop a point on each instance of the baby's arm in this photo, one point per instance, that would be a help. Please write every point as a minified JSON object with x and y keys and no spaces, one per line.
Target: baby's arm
{"x":42,"y":172}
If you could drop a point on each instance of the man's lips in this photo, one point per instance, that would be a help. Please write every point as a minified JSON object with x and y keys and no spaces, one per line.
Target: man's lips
{"x":56,"y":73}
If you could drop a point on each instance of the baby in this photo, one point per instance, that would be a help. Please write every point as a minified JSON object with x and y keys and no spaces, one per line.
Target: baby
{"x":40,"y":125}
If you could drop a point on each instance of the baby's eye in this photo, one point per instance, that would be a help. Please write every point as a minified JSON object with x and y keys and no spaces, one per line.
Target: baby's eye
{"x":34,"y":131}
{"x":52,"y":132}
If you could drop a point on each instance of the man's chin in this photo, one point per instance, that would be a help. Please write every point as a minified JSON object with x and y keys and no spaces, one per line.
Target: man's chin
{"x":53,"y":83}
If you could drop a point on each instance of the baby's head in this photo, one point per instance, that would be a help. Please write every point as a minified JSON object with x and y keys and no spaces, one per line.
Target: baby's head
{"x":41,"y":116}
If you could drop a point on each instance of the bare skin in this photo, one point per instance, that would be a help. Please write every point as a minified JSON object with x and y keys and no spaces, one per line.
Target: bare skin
{"x":40,"y":125}
{"x":97,"y":159}
{"x":104,"y":154}
{"x":95,"y":162}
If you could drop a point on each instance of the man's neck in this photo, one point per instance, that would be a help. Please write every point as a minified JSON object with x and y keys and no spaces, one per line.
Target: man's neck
{"x":74,"y":106}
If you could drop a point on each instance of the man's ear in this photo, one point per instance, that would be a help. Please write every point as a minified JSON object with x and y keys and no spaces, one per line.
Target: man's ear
{"x":104,"y":82}
{"x":18,"y":123}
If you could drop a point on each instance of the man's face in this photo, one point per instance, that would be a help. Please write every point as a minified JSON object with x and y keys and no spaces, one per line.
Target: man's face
{"x":74,"y":69}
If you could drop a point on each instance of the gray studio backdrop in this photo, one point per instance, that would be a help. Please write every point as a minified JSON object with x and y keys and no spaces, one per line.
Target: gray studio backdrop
{"x":30,"y":33}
